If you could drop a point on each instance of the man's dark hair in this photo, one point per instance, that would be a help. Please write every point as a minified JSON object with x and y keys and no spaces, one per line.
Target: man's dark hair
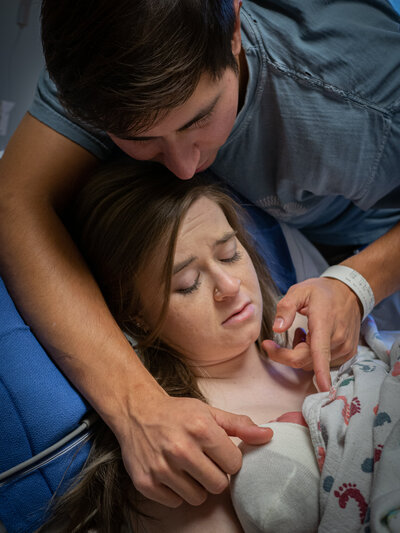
{"x":119,"y":64}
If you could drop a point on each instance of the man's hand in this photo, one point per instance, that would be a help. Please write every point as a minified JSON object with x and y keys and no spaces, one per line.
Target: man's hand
{"x":334,"y":320}
{"x":178,"y":448}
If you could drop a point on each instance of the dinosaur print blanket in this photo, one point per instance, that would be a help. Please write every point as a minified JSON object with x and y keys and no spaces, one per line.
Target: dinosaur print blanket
{"x":355,"y":431}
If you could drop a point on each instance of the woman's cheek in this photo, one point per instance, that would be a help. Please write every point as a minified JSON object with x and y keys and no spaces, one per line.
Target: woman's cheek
{"x":185,"y":318}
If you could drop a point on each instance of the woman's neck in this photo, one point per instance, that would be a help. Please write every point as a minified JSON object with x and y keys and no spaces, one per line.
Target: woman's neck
{"x":239,"y":365}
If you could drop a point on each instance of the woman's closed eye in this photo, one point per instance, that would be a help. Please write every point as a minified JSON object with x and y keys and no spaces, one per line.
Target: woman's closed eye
{"x":191,"y":288}
{"x":235,"y":257}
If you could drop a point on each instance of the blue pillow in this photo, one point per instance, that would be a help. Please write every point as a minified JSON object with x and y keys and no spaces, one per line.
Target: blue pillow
{"x":39,"y":406}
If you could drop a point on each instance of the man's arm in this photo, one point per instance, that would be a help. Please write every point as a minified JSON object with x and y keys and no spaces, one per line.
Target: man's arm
{"x":173,"y":448}
{"x":333,"y":309}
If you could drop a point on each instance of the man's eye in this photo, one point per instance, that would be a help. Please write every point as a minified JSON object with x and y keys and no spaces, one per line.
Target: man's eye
{"x":235,"y":257}
{"x":141,"y":141}
{"x":192,"y":288}
{"x":201,"y":122}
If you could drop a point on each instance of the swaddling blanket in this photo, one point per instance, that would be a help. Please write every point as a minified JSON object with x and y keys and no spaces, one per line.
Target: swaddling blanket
{"x":355,"y":431}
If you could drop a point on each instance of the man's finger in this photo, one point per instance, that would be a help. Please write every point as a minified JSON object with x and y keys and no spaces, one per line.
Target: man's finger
{"x":160,"y":494}
{"x":242,"y":426}
{"x":285,"y":314}
{"x":320,"y":346}
{"x":297,"y":357}
{"x":206,"y":471}
{"x":190,"y":488}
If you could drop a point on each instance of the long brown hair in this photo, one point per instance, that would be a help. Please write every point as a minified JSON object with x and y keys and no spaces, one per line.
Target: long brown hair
{"x":124,"y":213}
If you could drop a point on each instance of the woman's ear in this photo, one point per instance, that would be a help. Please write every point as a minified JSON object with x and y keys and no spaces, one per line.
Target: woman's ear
{"x":236,"y":38}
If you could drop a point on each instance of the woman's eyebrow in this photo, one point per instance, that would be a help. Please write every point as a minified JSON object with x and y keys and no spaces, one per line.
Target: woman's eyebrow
{"x":183,"y":264}
{"x":186,"y":262}
{"x":225,"y":238}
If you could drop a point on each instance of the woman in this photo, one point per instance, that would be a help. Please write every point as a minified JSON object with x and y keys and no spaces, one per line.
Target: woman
{"x":189,"y":327}
{"x":185,"y":282}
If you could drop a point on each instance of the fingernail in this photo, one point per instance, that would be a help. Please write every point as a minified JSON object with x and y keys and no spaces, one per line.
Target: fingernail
{"x":267,"y":429}
{"x":278,"y":324}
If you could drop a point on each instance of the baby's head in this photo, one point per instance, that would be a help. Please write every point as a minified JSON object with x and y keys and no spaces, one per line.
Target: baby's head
{"x":174,"y":261}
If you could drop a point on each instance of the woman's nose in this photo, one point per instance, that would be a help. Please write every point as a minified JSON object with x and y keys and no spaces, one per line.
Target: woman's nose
{"x":226,"y":287}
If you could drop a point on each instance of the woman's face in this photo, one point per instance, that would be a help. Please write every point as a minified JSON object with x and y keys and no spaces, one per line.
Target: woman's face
{"x":215,"y":307}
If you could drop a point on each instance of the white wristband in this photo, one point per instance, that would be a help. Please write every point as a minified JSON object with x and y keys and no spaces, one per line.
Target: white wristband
{"x":357,"y":283}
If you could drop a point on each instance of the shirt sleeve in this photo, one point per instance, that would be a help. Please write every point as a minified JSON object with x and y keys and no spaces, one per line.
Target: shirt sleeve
{"x":47,"y":108}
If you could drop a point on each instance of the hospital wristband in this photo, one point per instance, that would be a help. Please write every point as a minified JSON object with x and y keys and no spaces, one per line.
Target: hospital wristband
{"x":357,"y":283}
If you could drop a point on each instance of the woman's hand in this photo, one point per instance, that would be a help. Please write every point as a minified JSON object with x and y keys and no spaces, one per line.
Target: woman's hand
{"x":334,"y":320}
{"x":178,"y":449}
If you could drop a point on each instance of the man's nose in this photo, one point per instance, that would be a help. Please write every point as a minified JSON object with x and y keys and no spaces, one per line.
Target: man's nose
{"x":182,"y":158}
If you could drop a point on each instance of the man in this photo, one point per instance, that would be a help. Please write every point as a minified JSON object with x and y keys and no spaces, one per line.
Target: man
{"x":302,"y":118}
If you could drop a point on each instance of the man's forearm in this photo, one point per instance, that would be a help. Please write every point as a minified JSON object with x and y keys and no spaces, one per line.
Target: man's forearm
{"x":61,"y":302}
{"x":379,"y":263}
{"x":174,"y":449}
{"x":48,"y":278}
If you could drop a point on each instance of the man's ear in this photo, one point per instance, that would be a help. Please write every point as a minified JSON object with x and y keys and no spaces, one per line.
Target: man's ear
{"x":236,"y":38}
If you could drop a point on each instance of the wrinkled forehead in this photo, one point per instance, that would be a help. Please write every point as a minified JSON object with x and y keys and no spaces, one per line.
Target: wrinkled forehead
{"x":201,"y":226}
{"x":204,"y":221}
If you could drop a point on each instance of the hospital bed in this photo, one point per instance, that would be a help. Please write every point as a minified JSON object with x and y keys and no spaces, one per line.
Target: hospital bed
{"x":45,"y":424}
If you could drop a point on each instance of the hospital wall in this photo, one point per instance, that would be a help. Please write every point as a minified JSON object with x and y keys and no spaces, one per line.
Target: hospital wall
{"x":21,"y":60}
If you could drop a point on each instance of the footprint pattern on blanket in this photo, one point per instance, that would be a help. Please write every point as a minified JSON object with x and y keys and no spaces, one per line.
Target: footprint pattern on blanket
{"x":349,"y":409}
{"x":328,"y":483}
{"x":396,"y":369}
{"x":324,"y":432}
{"x":365,"y":367}
{"x":369,"y":463}
{"x":346,"y":381}
{"x":321,"y":457}
{"x":382,"y":418}
{"x":378,"y":452}
{"x":349,"y":491}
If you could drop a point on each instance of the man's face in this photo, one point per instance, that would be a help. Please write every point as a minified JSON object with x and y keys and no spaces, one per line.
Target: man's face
{"x":188,"y":138}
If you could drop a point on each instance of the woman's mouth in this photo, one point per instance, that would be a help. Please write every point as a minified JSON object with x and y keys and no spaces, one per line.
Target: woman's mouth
{"x":241,"y":315}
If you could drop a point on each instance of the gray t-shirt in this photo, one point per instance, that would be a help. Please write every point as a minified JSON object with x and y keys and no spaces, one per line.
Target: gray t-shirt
{"x":317,"y":142}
